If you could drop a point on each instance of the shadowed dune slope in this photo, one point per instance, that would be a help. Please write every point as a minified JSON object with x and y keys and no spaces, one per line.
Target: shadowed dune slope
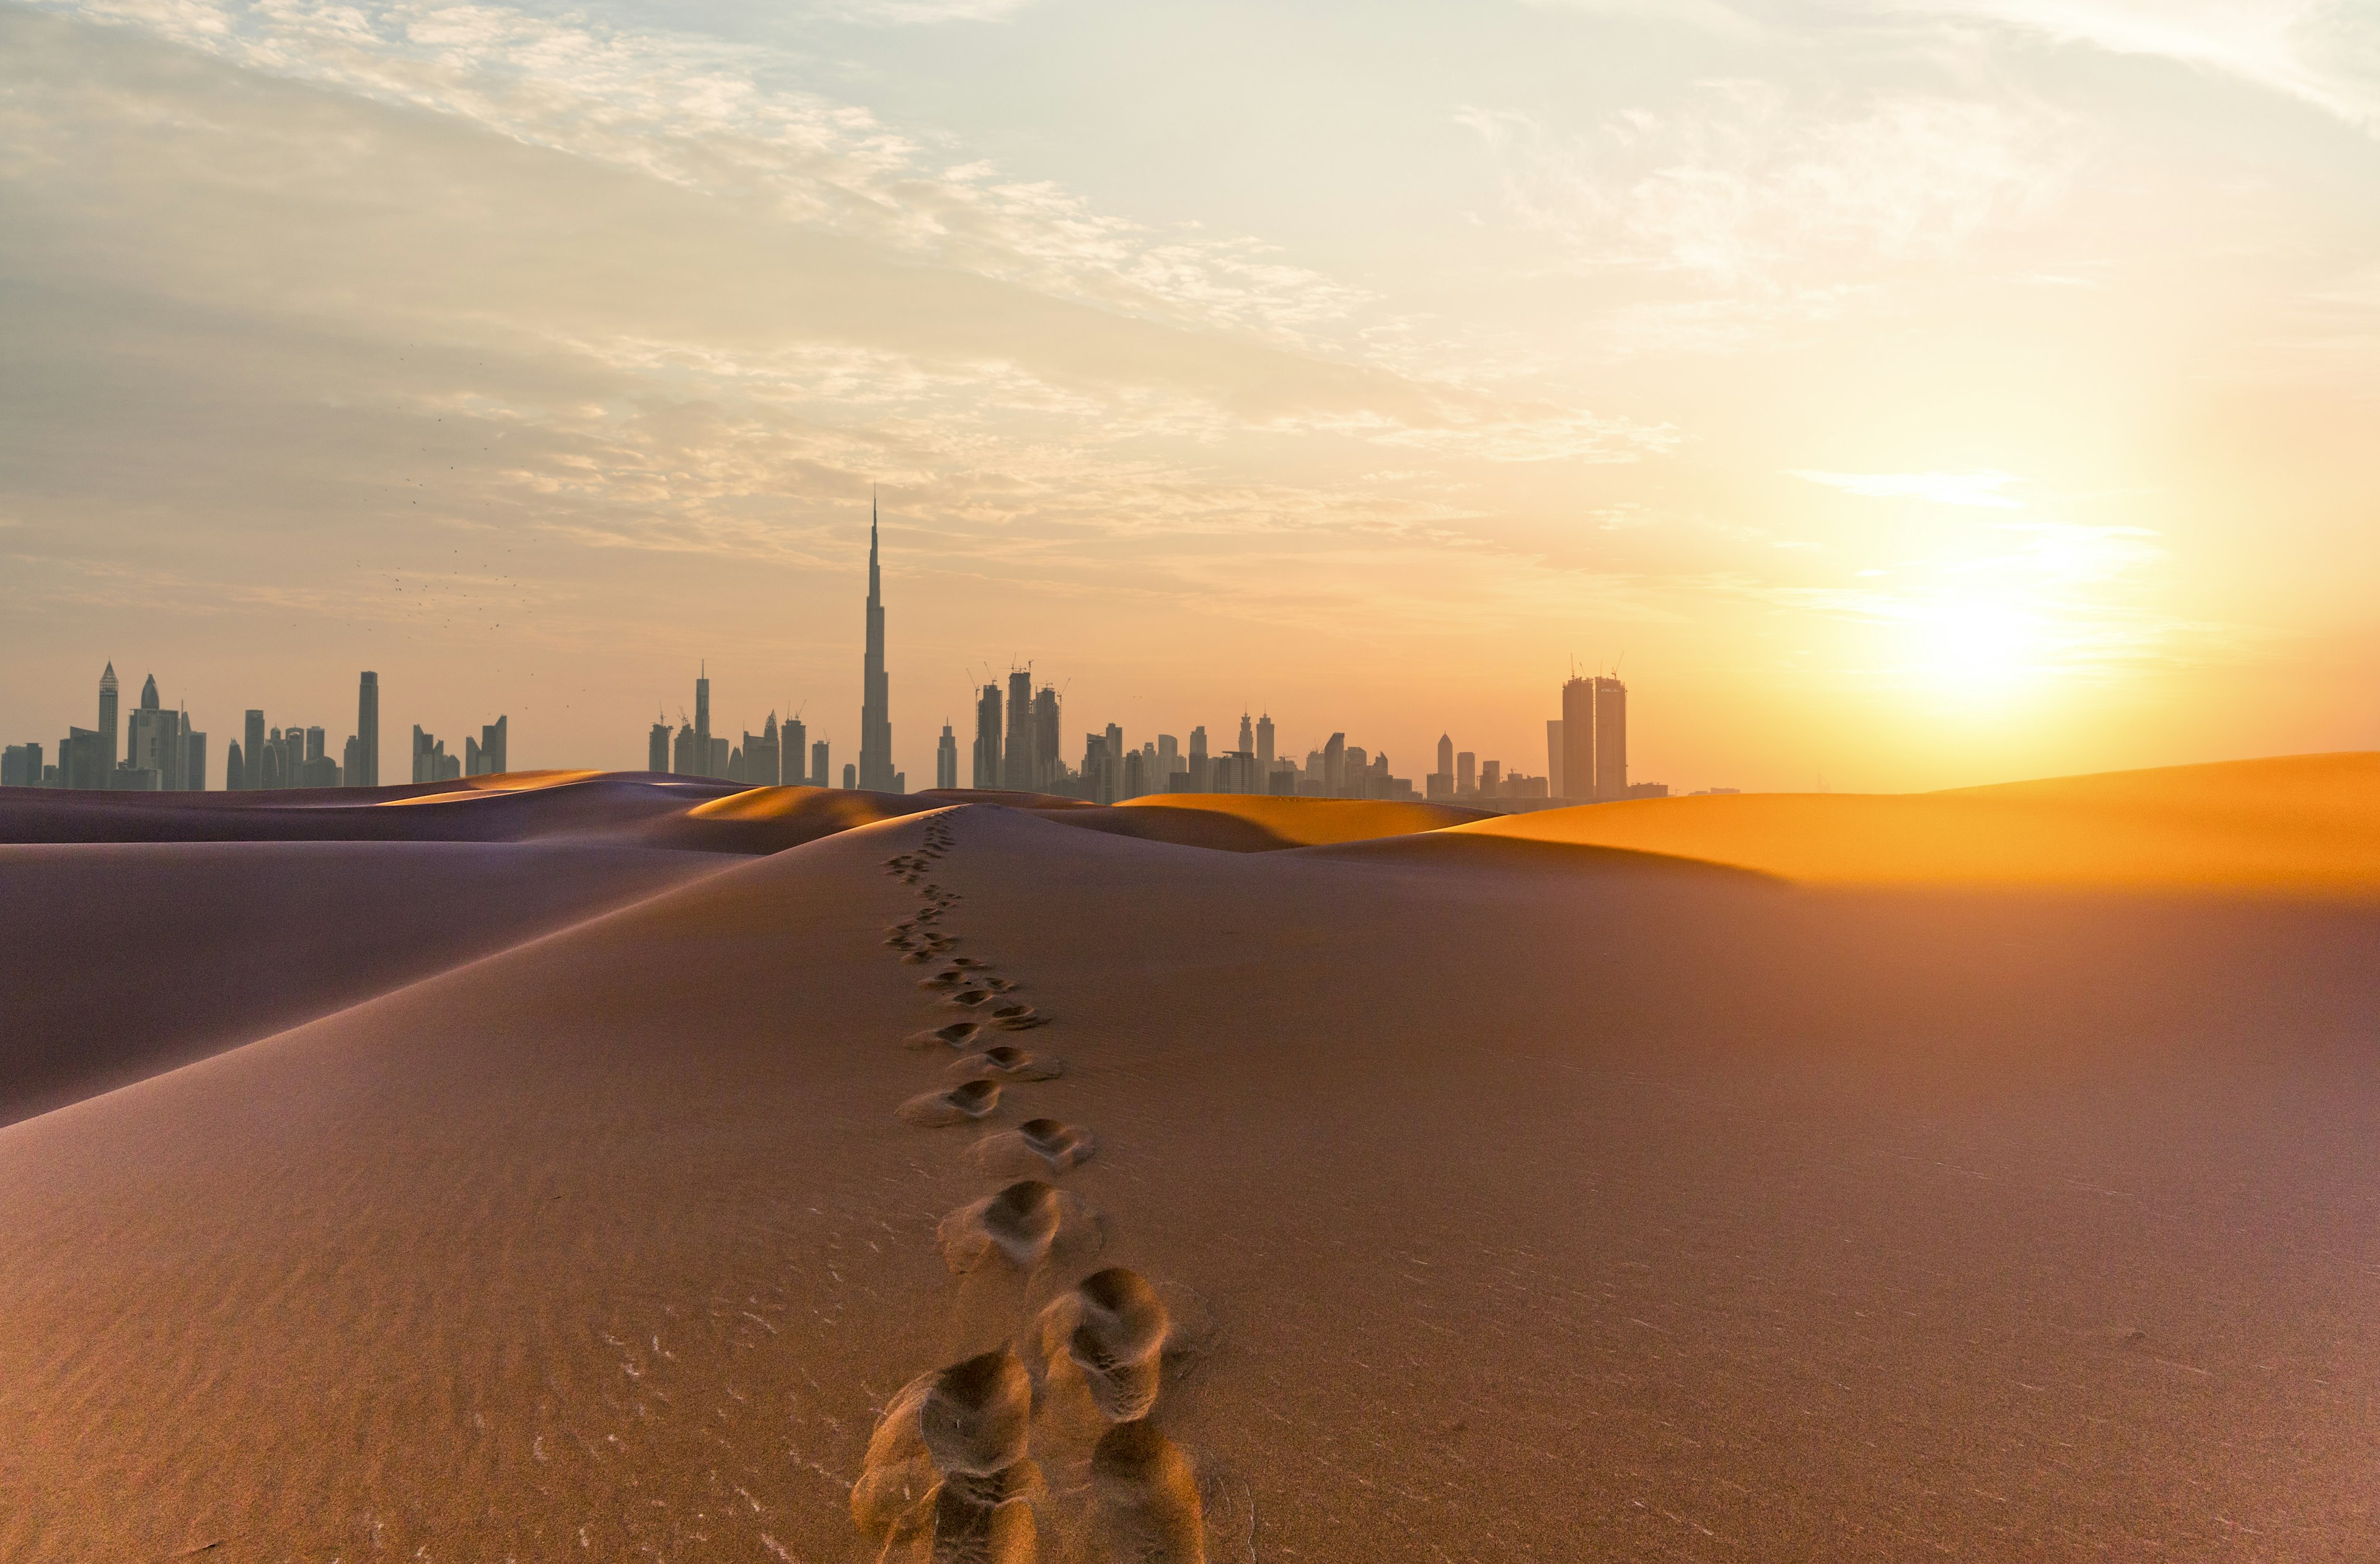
{"x":2299,"y":825}
{"x":119,"y":960}
{"x":1450,"y":1210}
{"x":522,"y":807}
{"x":1300,"y":822}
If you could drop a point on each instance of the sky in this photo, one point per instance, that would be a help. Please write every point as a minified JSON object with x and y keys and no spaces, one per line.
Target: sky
{"x":1899,"y":394}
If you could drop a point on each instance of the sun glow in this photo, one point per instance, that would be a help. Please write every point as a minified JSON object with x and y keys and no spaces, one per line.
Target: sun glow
{"x":1973,"y":648}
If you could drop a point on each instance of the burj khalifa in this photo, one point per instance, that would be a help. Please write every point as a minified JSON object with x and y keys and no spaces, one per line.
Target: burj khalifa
{"x":875,"y":714}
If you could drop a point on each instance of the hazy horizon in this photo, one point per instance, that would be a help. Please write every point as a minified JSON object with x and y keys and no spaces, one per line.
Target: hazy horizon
{"x":1914,"y":392}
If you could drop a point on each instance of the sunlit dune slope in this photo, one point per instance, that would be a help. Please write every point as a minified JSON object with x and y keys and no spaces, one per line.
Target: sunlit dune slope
{"x":2299,"y":824}
{"x":503,"y":781}
{"x":770,"y":820}
{"x":1298,"y":822}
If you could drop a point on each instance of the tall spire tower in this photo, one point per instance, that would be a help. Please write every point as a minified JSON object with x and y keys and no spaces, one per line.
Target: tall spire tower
{"x":875,"y":715}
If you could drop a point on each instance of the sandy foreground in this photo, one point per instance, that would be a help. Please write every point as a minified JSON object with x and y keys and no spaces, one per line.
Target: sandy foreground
{"x":1436,"y":1189}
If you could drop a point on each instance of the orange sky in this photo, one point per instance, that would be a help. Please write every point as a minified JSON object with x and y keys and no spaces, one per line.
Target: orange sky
{"x":1912,"y":392}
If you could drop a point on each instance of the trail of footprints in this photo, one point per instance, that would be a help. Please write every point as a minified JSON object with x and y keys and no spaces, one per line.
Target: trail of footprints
{"x":1045,"y":1449}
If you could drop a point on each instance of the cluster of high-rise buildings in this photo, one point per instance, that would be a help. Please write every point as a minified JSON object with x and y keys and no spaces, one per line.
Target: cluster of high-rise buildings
{"x":775,"y":757}
{"x":155,"y":750}
{"x":1018,"y":746}
{"x":161,"y":753}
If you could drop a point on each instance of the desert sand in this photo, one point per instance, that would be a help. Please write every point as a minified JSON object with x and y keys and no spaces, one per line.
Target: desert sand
{"x":802,"y":1176}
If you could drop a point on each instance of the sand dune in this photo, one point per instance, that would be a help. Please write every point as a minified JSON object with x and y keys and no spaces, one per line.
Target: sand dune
{"x":1492,"y":1203}
{"x":1308,"y":822}
{"x":2305,"y":824}
{"x":121,"y":961}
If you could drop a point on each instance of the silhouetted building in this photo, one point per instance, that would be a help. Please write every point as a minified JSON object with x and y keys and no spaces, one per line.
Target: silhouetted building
{"x":794,"y":738}
{"x":1334,"y":767}
{"x":1648,"y":790}
{"x":1466,"y":774}
{"x":686,"y":760}
{"x":20,"y":766}
{"x":702,"y":751}
{"x":1048,"y":763}
{"x":988,"y":772}
{"x":818,"y":764}
{"x":946,"y":759}
{"x":107,"y":750}
{"x":1554,"y":757}
{"x":235,"y":767}
{"x":657,"y":745}
{"x":486,"y":756}
{"x":251,"y":772}
{"x":1610,"y":740}
{"x":875,"y":707}
{"x":365,"y":770}
{"x":1264,"y":743}
{"x":1020,"y":765}
{"x":850,"y":776}
{"x":1199,"y":767}
{"x":762,"y":766}
{"x":431,"y":761}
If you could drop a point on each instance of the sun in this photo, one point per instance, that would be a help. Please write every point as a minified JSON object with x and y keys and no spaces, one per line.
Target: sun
{"x":1973,"y":648}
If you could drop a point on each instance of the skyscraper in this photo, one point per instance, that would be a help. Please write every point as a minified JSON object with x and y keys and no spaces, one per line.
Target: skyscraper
{"x":1445,"y":772}
{"x":1610,"y":740}
{"x":818,"y":764}
{"x":1334,"y":767}
{"x":253,"y":767}
{"x":702,"y":766}
{"x":1594,"y":740}
{"x":987,"y":737}
{"x":946,"y":759}
{"x":1466,"y":774}
{"x":1020,"y":769}
{"x":794,"y":739}
{"x":366,"y":771}
{"x":875,"y":708}
{"x":1047,"y":761}
{"x":107,"y":751}
{"x":1578,"y":740}
{"x":1554,"y":757}
{"x":657,"y":745}
{"x":1264,"y":743}
{"x":1247,"y":734}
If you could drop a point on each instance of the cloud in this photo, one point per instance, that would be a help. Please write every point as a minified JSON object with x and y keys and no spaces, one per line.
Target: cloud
{"x":2322,"y":52}
{"x":1942,"y":488}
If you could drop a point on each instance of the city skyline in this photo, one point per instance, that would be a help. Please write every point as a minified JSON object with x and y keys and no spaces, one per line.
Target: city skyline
{"x":1809,"y":363}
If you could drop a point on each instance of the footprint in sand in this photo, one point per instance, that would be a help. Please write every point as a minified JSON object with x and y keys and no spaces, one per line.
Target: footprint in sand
{"x":1018,"y":1018}
{"x":947,"y":1458}
{"x":969,"y":999}
{"x":1021,"y":1224}
{"x":919,"y":957}
{"x":1145,"y":1506}
{"x":960,"y":1105}
{"x":957,"y":1035}
{"x":1047,"y":1142}
{"x":1011,"y":1064}
{"x":1107,"y":1338}
{"x":949,"y":978}
{"x":969,"y":962}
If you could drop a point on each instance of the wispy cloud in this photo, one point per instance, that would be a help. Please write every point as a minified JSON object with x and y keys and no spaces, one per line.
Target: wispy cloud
{"x":1984,"y":488}
{"x":2325,"y":52}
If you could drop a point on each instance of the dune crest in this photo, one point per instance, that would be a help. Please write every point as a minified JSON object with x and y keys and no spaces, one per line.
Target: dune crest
{"x":2302,"y":824}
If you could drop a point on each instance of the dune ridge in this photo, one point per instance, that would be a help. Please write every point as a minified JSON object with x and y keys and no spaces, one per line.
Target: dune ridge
{"x":2295,"y":825}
